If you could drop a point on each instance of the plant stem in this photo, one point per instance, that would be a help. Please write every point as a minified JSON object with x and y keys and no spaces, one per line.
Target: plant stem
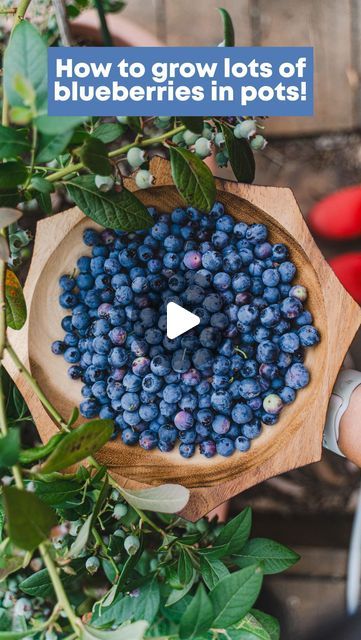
{"x":59,"y":589}
{"x":32,"y":156}
{"x":74,"y":168}
{"x":35,"y":387}
{"x":107,"y":38}
{"x":19,"y":15}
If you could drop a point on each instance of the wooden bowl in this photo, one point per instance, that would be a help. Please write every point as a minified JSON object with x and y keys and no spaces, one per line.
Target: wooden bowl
{"x":294,"y":441}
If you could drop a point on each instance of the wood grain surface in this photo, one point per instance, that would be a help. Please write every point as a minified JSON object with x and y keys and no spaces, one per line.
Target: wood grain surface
{"x":293,"y":442}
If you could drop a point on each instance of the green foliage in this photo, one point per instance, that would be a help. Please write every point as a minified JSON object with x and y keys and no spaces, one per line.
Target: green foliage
{"x":15,"y":302}
{"x":29,"y":520}
{"x":114,"y":209}
{"x":13,"y":142}
{"x":228,"y":28}
{"x":79,"y":444}
{"x":168,"y":498}
{"x":10,"y":448}
{"x":273,"y":556}
{"x":240,"y":155}
{"x":94,"y":157}
{"x":192,"y":178}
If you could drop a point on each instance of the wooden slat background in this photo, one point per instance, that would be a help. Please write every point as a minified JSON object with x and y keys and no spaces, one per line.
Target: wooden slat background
{"x":332,"y":27}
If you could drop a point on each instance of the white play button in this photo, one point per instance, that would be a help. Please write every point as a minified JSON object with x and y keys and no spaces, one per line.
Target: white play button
{"x":179,"y":320}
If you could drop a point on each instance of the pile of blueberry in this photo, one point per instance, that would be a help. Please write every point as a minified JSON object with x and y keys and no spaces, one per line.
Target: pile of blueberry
{"x":214,"y":385}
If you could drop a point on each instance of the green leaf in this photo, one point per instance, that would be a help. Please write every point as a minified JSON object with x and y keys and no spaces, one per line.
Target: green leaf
{"x":94,"y":156}
{"x":228,"y":30}
{"x":133,"y":631}
{"x":13,"y":142}
{"x":147,"y":603}
{"x":167,"y":498}
{"x":12,"y":174}
{"x":185,"y":567}
{"x":198,"y":616}
{"x":233,"y":596}
{"x":117,"y":210}
{"x":50,"y":147}
{"x":57,"y":491}
{"x":268,"y":622}
{"x":9,"y":565}
{"x":248,"y":629}
{"x":9,"y":198}
{"x":84,"y":441}
{"x":21,"y":115}
{"x":29,"y":520}
{"x":135,"y":123}
{"x":193,"y":123}
{"x":177,"y":594}
{"x":83,"y":536}
{"x":235,"y":533}
{"x":10,"y":448}
{"x":44,"y":202}
{"x":26,"y":56}
{"x":39,"y":584}
{"x":74,"y":416}
{"x":15,"y":302}
{"x":212,"y":571}
{"x":275,"y":557}
{"x":57,"y":125}
{"x":240,"y":155}
{"x":192,"y":178}
{"x":40,"y":184}
{"x":108,"y":132}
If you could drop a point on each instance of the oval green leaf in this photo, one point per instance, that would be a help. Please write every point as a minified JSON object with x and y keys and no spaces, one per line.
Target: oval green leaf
{"x":167,"y":498}
{"x":198,"y":616}
{"x":228,"y":29}
{"x":29,"y":520}
{"x":26,"y":56}
{"x":84,"y":441}
{"x":240,"y":155}
{"x":13,"y":142}
{"x":94,"y":156}
{"x":233,"y":596}
{"x":117,"y":210}
{"x":275,"y":557}
{"x":193,"y":179}
{"x":12,"y":174}
{"x":15,"y":302}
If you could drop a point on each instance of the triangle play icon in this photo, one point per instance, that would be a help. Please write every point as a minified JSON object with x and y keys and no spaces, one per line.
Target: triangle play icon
{"x":179,"y":320}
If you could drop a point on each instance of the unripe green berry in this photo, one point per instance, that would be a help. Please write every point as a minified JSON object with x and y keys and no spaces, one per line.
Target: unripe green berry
{"x":144,"y":179}
{"x":119,"y":533}
{"x":131,"y":545}
{"x":50,"y":634}
{"x":135,"y":157}
{"x":245,"y":129}
{"x":120,"y":510}
{"x":221,"y":159}
{"x":8,"y":600}
{"x":207,"y":132}
{"x":74,"y":527}
{"x":92,"y":565}
{"x":219,"y":139}
{"x":178,"y":138}
{"x":162,"y":122}
{"x":203,"y":147}
{"x":189,"y":137}
{"x":258,"y":143}
{"x":23,"y":607}
{"x":122,"y":119}
{"x":272,"y":403}
{"x":115,"y":495}
{"x":104,"y":183}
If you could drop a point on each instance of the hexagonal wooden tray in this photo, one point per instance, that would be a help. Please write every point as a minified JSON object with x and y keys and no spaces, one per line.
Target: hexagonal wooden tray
{"x":293,"y":442}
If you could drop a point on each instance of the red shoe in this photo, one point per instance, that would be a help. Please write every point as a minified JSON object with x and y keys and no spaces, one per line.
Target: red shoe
{"x":338,"y":216}
{"x":347,"y":268}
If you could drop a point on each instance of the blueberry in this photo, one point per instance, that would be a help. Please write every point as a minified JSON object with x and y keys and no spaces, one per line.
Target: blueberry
{"x":221,"y":401}
{"x":249,"y":388}
{"x":287,"y":395}
{"x":270,"y":316}
{"x":67,"y":283}
{"x":287,"y":271}
{"x":152,"y":383}
{"x":241,"y":282}
{"x":187,"y":450}
{"x":272,"y":403}
{"x":58,"y":347}
{"x":71,"y":355}
{"x":225,"y":447}
{"x":297,"y":376}
{"x":308,"y":336}
{"x":289,"y":342}
{"x":291,"y":307}
{"x":251,"y":429}
{"x":221,"y":424}
{"x":129,"y":436}
{"x":208,"y":448}
{"x":89,"y":408}
{"x":267,"y":352}
{"x":148,"y":440}
{"x":68,"y":300}
{"x":242,"y":443}
{"x":241,"y":413}
{"x":183,"y":420}
{"x":279,"y":252}
{"x":257,"y":233}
